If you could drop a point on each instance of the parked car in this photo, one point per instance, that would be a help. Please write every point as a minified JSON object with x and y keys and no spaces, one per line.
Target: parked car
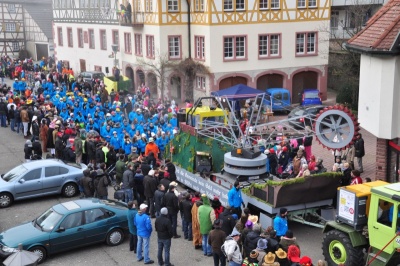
{"x":303,"y":116}
{"x":92,"y":75}
{"x":311,"y":97}
{"x":40,"y":178}
{"x":280,"y":98}
{"x":68,"y":225}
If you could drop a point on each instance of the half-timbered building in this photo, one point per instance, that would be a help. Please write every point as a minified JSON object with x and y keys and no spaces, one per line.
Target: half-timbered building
{"x":26,"y":26}
{"x":260,"y":43}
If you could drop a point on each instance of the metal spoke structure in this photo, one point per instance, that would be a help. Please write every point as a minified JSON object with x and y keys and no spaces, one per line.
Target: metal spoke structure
{"x":334,"y":127}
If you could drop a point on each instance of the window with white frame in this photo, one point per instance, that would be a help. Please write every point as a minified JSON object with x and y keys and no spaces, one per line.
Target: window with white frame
{"x":263,"y":4}
{"x":199,"y":5}
{"x":80,"y":38}
{"x":301,"y":3}
{"x":306,"y":43}
{"x":11,"y":8}
{"x":11,"y":27}
{"x":150,"y":52}
{"x":201,"y":83}
{"x":127,"y":43}
{"x":334,"y":19}
{"x":173,"y":5}
{"x":174,"y":46}
{"x":240,"y":5}
{"x":235,"y":47}
{"x":60,"y":36}
{"x":115,"y":38}
{"x":274,"y":46}
{"x":15,"y":46}
{"x":199,"y":46}
{"x":138,"y":44}
{"x":103,"y":40}
{"x":312,"y":3}
{"x":70,"y":38}
{"x":228,"y":5}
{"x":268,"y":45}
{"x":275,"y":4}
{"x":149,"y":5}
{"x":91,"y":39}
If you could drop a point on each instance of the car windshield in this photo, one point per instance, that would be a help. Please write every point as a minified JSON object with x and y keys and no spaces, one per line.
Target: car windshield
{"x":14,"y":173}
{"x":48,"y":220}
{"x":297,"y":112}
{"x":311,"y":94}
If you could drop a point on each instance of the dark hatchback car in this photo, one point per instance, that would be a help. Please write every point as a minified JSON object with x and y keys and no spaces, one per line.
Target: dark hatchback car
{"x":303,"y":116}
{"x":68,"y":225}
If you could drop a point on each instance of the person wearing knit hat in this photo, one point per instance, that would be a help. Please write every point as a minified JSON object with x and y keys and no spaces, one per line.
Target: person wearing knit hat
{"x":306,"y":261}
{"x":231,"y":248}
{"x":216,"y":239}
{"x":251,"y":239}
{"x":262,"y":245}
{"x":206,"y":217}
{"x":293,"y":254}
{"x":287,"y":240}
{"x":280,"y":223}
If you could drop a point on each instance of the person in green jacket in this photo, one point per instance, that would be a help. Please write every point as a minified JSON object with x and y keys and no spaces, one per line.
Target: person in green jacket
{"x":206,"y":217}
{"x":120,"y":168}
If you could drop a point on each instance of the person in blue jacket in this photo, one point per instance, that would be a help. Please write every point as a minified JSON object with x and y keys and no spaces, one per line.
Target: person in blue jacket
{"x":115,"y":141}
{"x":127,"y":145}
{"x":142,"y":144}
{"x":144,"y":229}
{"x":235,"y":199}
{"x":281,"y":223}
{"x":173,"y":121}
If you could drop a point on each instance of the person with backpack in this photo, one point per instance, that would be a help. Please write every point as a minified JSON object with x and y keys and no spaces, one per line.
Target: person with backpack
{"x":231,"y":249}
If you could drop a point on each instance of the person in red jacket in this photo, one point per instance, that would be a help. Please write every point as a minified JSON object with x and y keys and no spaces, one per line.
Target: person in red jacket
{"x":355,"y":177}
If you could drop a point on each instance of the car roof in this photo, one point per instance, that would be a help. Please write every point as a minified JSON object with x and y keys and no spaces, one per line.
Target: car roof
{"x":84,"y":204}
{"x":277,"y":89}
{"x":308,"y":90}
{"x":47,"y":162}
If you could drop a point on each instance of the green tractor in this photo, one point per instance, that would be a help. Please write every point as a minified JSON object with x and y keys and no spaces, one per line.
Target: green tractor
{"x":365,"y":232}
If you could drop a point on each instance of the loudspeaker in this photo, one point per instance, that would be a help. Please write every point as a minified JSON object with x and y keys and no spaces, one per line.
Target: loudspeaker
{"x":107,"y":71}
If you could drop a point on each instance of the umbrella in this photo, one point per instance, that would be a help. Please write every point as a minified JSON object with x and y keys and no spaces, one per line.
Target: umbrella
{"x":21,"y":258}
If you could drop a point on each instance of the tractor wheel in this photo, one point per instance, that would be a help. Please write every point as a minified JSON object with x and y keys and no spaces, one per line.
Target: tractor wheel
{"x":338,"y":250}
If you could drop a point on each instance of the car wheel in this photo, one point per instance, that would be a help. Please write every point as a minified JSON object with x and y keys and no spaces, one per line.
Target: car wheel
{"x":41,"y":252}
{"x":69,"y":190}
{"x":115,"y":237}
{"x":6,"y":199}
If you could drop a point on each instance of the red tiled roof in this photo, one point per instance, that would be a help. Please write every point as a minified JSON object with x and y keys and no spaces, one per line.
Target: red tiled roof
{"x":382,"y":30}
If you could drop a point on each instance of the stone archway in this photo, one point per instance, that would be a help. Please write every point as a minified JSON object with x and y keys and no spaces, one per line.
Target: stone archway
{"x":303,"y":80}
{"x":140,"y":77}
{"x":130,"y":74}
{"x":269,"y":81}
{"x":232,"y":81}
{"x":176,"y":88}
{"x":152,"y":83}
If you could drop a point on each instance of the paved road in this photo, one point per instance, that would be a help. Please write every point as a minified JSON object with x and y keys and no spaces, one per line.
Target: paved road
{"x":182,"y":252}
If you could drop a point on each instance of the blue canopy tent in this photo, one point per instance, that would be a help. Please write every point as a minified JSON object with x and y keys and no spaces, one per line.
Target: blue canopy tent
{"x":238,"y":92}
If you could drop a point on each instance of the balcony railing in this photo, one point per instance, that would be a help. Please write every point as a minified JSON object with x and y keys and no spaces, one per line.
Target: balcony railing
{"x":135,"y":19}
{"x":357,"y":2}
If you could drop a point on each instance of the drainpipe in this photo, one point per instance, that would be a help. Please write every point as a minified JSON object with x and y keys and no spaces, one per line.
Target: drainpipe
{"x":189,"y":31}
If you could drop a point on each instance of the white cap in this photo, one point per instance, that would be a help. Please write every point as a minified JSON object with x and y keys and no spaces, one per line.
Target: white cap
{"x":151,"y":172}
{"x":153,"y":134}
{"x":138,"y":110}
{"x":151,"y":140}
{"x":34,"y":118}
{"x":173,"y":183}
{"x":143,"y":206}
{"x":143,"y":135}
{"x":266,"y":151}
{"x":174,"y":131}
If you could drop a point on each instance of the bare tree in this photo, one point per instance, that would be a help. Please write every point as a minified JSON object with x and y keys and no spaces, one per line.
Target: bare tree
{"x":190,"y":69}
{"x":159,"y":67}
{"x":344,"y":66}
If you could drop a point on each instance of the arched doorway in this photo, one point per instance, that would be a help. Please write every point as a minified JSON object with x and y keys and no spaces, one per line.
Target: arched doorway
{"x":268,"y":81}
{"x":176,"y":88}
{"x":140,"y":77}
{"x":152,"y":83}
{"x":231,"y":81}
{"x":303,"y":80}
{"x":129,"y":74}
